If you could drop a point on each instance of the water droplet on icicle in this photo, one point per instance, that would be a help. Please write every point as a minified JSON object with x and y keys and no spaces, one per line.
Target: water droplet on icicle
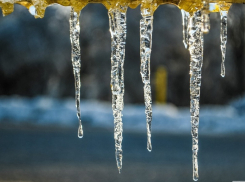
{"x":146,"y":28}
{"x":185,"y":20}
{"x":196,"y":59}
{"x":118,"y":30}
{"x":76,"y":62}
{"x":223,"y":39}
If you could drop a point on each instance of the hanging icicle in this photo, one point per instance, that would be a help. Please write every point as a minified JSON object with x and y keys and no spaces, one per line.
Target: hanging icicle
{"x":223,"y":39}
{"x":118,"y":29}
{"x":196,"y":59}
{"x":185,"y":21}
{"x":146,"y":28}
{"x":76,"y":62}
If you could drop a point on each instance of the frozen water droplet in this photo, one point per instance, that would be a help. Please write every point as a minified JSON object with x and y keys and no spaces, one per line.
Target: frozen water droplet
{"x":196,"y":60}
{"x":32,"y":10}
{"x":185,"y":21}
{"x":223,"y":39}
{"x":76,"y":62}
{"x":118,"y":30}
{"x":80,"y":131}
{"x":146,"y":28}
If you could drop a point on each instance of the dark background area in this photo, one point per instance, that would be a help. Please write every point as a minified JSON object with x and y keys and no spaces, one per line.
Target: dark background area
{"x":35,"y":55}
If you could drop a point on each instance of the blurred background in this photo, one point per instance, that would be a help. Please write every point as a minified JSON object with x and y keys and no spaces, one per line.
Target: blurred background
{"x":38,"y":124}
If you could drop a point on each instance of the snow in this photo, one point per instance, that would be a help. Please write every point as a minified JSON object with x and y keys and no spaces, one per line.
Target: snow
{"x":214,"y":120}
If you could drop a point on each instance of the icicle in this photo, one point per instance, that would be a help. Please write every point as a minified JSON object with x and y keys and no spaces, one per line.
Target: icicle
{"x":146,"y":28}
{"x":185,"y":20}
{"x":223,"y":38}
{"x":196,"y":58}
{"x":76,"y":62}
{"x":117,"y":18}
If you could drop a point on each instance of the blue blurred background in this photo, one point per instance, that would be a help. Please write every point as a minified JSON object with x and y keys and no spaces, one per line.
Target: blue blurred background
{"x":38,"y":124}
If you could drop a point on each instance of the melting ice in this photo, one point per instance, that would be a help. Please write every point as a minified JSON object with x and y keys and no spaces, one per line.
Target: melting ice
{"x":223,"y":39}
{"x":146,"y":27}
{"x":76,"y":62}
{"x":118,"y":30}
{"x":196,"y":59}
{"x":193,"y":28}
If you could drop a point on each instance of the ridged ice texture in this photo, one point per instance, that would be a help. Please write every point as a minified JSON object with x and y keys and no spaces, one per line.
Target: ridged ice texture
{"x":223,"y":39}
{"x":76,"y":63}
{"x":196,"y":59}
{"x":185,"y":20}
{"x":118,"y":29}
{"x":146,"y":28}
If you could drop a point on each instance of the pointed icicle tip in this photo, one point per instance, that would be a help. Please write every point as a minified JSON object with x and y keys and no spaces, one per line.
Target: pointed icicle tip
{"x":149,"y":147}
{"x":119,"y":170}
{"x":195,"y":177}
{"x":80,"y":132}
{"x":222,"y":69}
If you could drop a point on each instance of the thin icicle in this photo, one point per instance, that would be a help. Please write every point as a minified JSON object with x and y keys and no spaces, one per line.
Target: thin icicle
{"x":118,"y":29}
{"x":76,"y":62}
{"x":196,"y":58}
{"x":223,"y":38}
{"x":185,"y":21}
{"x":146,"y":28}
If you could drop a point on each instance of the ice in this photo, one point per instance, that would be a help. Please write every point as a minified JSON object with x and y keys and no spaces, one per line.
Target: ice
{"x":185,"y":21}
{"x":223,"y":39}
{"x":118,"y":30}
{"x":196,"y":59}
{"x":32,"y":10}
{"x":146,"y":28}
{"x":76,"y":62}
{"x":205,"y":17}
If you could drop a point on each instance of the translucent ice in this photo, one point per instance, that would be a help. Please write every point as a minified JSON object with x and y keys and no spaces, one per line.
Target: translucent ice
{"x":196,"y":59}
{"x":76,"y":62}
{"x":118,"y":29}
{"x":146,"y":28}
{"x":223,"y":39}
{"x":185,"y":20}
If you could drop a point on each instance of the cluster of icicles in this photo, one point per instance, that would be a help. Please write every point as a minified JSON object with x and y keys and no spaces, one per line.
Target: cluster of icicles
{"x":193,"y":28}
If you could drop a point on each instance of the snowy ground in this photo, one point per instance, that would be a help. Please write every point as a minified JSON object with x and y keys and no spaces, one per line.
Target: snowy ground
{"x":214,"y":120}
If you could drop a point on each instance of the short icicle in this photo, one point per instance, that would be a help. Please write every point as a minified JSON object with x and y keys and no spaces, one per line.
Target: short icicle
{"x":223,"y":39}
{"x":146,"y":28}
{"x":196,"y":59}
{"x":118,"y":30}
{"x":185,"y":21}
{"x":205,"y":17}
{"x":76,"y":62}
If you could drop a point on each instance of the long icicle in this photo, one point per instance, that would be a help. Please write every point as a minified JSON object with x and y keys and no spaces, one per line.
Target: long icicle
{"x":185,"y":20}
{"x":196,"y":59}
{"x":118,"y":29}
{"x":76,"y":62}
{"x":146,"y":28}
{"x":223,"y":39}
